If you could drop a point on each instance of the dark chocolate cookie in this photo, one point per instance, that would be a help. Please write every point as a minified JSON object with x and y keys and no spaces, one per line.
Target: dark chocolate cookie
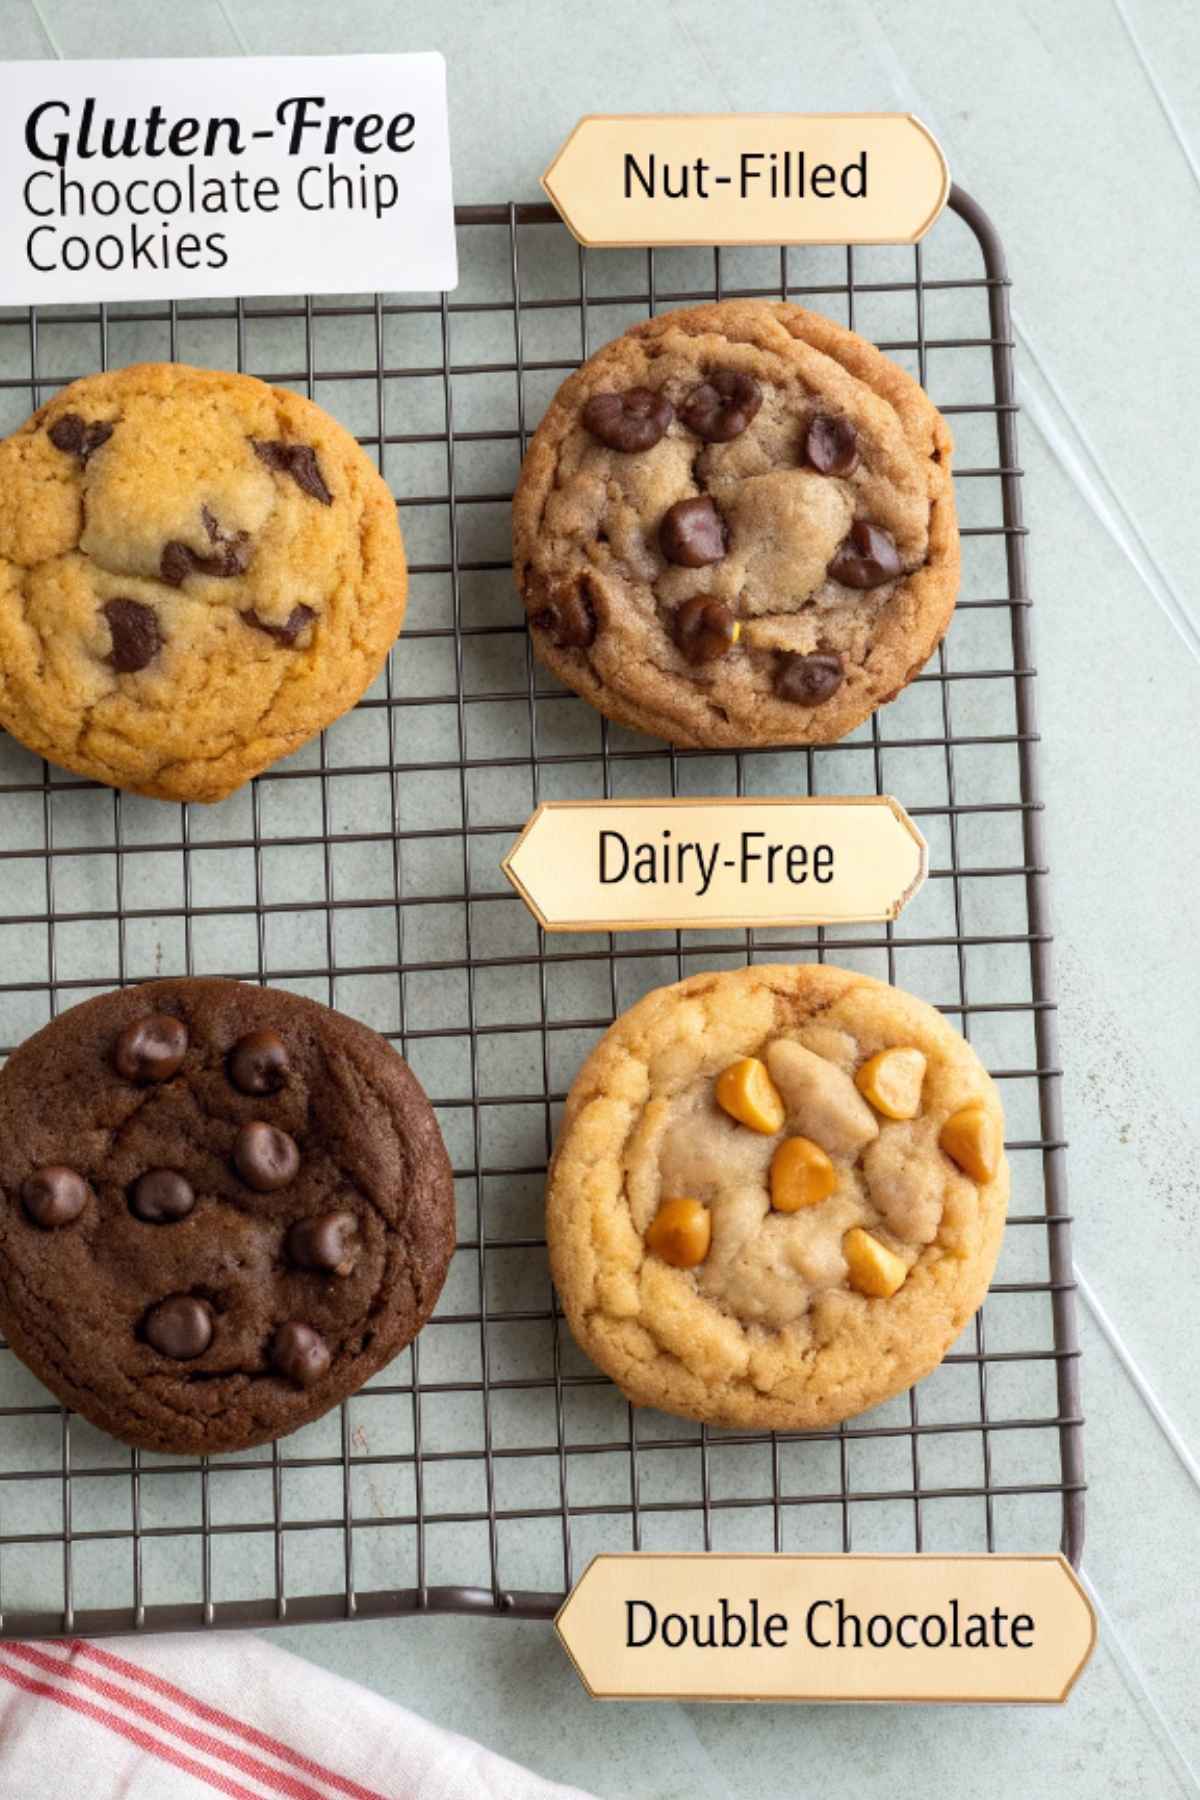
{"x":222,"y":1209}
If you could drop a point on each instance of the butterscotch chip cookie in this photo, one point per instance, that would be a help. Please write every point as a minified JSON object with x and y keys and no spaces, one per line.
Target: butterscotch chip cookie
{"x":777,"y":1196}
{"x":735,"y":526}
{"x":197,"y":573}
{"x":222,"y":1209}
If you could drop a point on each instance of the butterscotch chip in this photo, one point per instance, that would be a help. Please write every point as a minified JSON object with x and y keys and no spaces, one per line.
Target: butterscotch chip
{"x":198,"y":572}
{"x":845,"y":1249}
{"x":801,"y":1175}
{"x":874,"y":1270}
{"x":764,"y":459}
{"x":748,"y":1094}
{"x":973,"y":1138}
{"x":680,"y":1233}
{"x":891,"y":1080}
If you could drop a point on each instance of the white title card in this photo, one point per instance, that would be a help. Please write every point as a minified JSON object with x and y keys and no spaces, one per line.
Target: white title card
{"x":216,"y":177}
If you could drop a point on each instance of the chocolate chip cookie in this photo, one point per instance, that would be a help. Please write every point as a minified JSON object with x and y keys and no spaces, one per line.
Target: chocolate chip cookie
{"x":735,"y":526}
{"x":222,"y":1209}
{"x":777,"y":1195}
{"x":197,"y":573}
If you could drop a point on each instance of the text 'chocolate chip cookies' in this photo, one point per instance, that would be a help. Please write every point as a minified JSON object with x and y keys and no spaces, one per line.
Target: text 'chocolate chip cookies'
{"x":198,"y":572}
{"x":222,"y":1209}
{"x":735,"y":526}
{"x":777,"y":1195}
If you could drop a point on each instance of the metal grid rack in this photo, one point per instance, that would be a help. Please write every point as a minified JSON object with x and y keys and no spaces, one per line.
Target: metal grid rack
{"x":480,"y":1470}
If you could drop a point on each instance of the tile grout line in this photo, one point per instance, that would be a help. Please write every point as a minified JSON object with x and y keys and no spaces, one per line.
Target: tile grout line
{"x":1120,"y":1349}
{"x":35,"y":7}
{"x":1079,"y":460}
{"x":235,"y":30}
{"x":1158,"y":90}
{"x":1068,"y":442}
{"x":680,"y":16}
{"x":1136,"y":1681}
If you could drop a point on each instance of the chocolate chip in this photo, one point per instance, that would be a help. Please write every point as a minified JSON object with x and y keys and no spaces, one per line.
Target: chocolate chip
{"x":54,"y":1196}
{"x":693,"y":533}
{"x":704,"y":629}
{"x":258,"y":1063}
{"x":327,"y":1243}
{"x":807,"y":680}
{"x":297,"y":460}
{"x":868,"y":557}
{"x":569,"y":620}
{"x":831,"y":445}
{"x":151,"y":1049}
{"x":721,"y":407}
{"x":75,"y":438}
{"x":289,"y":631}
{"x":635,"y":420}
{"x":161,"y":1196}
{"x":265,"y":1157}
{"x":231,"y":556}
{"x":175,"y":563}
{"x":299,"y":1353}
{"x":136,"y":636}
{"x":67,"y":434}
{"x":179,"y":1326}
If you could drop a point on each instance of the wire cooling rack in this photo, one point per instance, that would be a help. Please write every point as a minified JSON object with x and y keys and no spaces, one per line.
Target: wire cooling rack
{"x":481,"y":1469}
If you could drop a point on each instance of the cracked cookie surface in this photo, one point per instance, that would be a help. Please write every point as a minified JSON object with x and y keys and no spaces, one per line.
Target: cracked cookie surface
{"x":763,"y":463}
{"x":777,"y":1195}
{"x":222,"y":1209}
{"x":198,"y":572}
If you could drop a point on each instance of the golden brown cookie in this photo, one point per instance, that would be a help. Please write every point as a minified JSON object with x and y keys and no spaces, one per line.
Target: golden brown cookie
{"x":735,"y":525}
{"x":197,"y":573}
{"x":777,"y":1195}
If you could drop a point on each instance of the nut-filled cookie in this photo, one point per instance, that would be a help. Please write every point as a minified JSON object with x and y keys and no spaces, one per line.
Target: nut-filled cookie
{"x":735,"y":526}
{"x":777,"y":1195}
{"x":222,"y":1209}
{"x":198,"y":572}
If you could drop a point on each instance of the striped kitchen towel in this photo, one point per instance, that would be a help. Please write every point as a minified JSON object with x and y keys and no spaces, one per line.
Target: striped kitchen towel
{"x":172,"y":1718}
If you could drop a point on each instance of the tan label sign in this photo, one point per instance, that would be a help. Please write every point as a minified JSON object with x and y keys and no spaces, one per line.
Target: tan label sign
{"x":633,"y":865}
{"x":709,"y":1627}
{"x":749,"y":178}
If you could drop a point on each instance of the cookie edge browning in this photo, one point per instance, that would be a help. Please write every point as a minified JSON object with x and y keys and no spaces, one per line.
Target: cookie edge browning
{"x":911,"y":630}
{"x":625,"y":1348}
{"x":435,"y":1203}
{"x":210,"y":780}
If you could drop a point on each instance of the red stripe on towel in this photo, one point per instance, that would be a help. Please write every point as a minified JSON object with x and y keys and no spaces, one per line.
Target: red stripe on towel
{"x":153,"y":1746}
{"x":213,"y":1715}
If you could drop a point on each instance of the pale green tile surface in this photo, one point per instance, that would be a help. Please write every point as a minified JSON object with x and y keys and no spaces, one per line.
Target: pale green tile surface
{"x":1077,"y":127}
